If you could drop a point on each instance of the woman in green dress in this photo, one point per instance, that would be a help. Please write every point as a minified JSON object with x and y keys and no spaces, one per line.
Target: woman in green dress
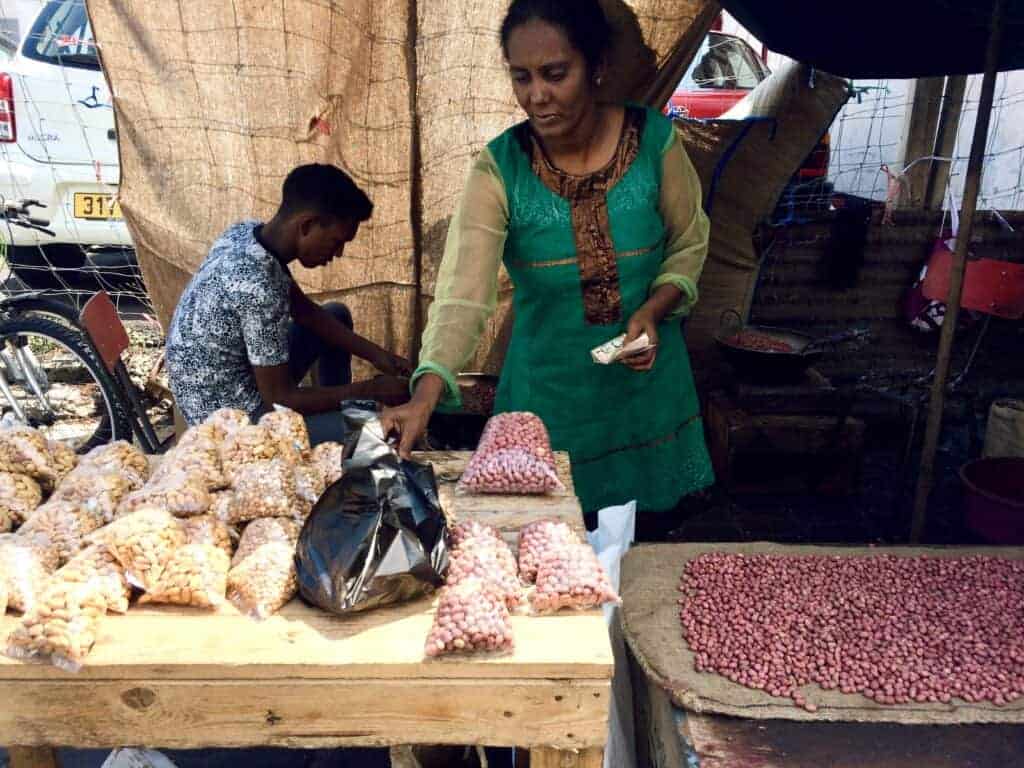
{"x":595,"y":211}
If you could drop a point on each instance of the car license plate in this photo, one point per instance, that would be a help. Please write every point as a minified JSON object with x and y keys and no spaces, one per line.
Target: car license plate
{"x":96,"y":206}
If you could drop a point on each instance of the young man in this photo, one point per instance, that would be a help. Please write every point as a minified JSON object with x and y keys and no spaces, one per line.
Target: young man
{"x":244,"y":335}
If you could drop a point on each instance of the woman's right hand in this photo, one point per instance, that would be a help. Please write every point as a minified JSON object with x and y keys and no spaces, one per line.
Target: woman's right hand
{"x":410,"y":420}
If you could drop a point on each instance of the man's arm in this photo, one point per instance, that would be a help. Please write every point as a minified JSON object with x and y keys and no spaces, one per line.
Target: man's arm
{"x":276,"y":387}
{"x":311,"y":315}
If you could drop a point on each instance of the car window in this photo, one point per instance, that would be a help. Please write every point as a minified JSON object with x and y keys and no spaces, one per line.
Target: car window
{"x":726,"y":63}
{"x":62,"y":35}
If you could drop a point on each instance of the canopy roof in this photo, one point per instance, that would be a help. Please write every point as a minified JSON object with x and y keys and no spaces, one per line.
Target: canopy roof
{"x":885,"y":38}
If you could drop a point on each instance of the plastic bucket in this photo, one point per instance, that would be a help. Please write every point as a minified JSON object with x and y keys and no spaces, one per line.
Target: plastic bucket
{"x":994,"y":498}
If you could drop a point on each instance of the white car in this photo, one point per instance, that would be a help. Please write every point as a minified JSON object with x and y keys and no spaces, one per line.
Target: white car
{"x":58,"y":146}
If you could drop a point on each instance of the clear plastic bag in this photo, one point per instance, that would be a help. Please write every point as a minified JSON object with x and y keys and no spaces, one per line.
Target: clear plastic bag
{"x":99,"y":489}
{"x":195,"y":453}
{"x":207,"y":529}
{"x":329,"y":457}
{"x":265,"y":489}
{"x":19,"y":497}
{"x":514,"y":456}
{"x":491,"y":561}
{"x":247,"y":445}
{"x":97,"y":567}
{"x":183,"y":494}
{"x":24,"y":571}
{"x":538,"y":538}
{"x":24,"y":451}
{"x":226,"y":420}
{"x":3,"y":598}
{"x":61,"y":628}
{"x":290,"y":429}
{"x":65,"y":524}
{"x":264,"y":581}
{"x":309,"y":483}
{"x":571,"y":576}
{"x":143,"y":543}
{"x":63,"y":457}
{"x":120,"y":456}
{"x":471,"y":529}
{"x":470,"y":617}
{"x":263,"y":531}
{"x":196,"y":575}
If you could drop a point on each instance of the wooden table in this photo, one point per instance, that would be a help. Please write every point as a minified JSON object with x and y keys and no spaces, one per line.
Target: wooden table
{"x":185,"y":678}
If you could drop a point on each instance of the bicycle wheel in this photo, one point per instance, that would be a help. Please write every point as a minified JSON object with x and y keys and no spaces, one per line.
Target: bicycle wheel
{"x":50,"y":380}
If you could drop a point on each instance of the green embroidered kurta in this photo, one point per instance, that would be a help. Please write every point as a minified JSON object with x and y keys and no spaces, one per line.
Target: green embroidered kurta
{"x":583,"y":254}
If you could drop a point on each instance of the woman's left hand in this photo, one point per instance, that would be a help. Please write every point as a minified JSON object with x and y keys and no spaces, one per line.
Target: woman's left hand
{"x":642,"y":321}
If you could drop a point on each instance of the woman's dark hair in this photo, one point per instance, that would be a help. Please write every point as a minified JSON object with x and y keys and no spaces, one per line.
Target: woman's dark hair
{"x":325,"y":190}
{"x":583,"y":22}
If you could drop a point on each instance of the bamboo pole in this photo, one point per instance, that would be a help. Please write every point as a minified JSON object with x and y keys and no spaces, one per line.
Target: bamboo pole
{"x":926,"y":476}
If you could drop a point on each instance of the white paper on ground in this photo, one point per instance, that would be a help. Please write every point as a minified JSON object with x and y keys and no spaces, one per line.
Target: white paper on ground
{"x":616,"y":528}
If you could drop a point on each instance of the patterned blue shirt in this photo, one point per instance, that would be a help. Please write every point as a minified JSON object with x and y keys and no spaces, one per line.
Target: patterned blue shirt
{"x":233,"y":315}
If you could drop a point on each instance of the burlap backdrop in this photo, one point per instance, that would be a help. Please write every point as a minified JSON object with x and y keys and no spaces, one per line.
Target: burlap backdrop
{"x":217,"y":100}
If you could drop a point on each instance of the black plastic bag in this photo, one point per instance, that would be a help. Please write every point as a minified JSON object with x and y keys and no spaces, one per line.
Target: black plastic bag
{"x":378,"y":535}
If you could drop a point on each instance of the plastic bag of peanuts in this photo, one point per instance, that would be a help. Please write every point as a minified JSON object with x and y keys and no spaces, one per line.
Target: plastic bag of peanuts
{"x":309,"y":484}
{"x":119,"y":456}
{"x":96,"y":567}
{"x":196,"y":575}
{"x":24,"y":451}
{"x":63,"y":457}
{"x":264,"y":489}
{"x":195,"y":453}
{"x":183,"y":494}
{"x":207,"y":529}
{"x":264,"y":581}
{"x":226,"y":420}
{"x":99,"y":489}
{"x":25,"y":567}
{"x":289,"y":428}
{"x":61,"y":628}
{"x":538,"y":538}
{"x":263,"y":531}
{"x":472,"y":529}
{"x":491,"y":561}
{"x":471,"y":616}
{"x":65,"y":524}
{"x":143,"y":543}
{"x":514,"y":456}
{"x":571,"y":576}
{"x":247,"y":445}
{"x":19,"y":497}
{"x":329,"y":457}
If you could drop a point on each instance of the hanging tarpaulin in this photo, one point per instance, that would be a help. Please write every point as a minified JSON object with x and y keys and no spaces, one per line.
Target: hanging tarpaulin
{"x":882,"y":38}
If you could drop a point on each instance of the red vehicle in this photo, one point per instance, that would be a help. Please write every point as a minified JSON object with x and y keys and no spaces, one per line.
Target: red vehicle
{"x":723,"y":72}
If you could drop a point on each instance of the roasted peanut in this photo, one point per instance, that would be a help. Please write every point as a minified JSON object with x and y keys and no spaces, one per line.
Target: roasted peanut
{"x":143,"y":542}
{"x":262,"y":583}
{"x":290,"y":429}
{"x":265,"y":489}
{"x":195,"y":575}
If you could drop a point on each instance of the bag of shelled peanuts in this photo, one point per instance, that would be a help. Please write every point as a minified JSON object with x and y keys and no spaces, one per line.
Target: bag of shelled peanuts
{"x":329,"y":457}
{"x":181,"y":493}
{"x":264,"y":489}
{"x":24,"y":451}
{"x":195,"y":575}
{"x":99,"y":488}
{"x":67,"y":525}
{"x":226,"y":420}
{"x":570,"y":576}
{"x":207,"y":529}
{"x":289,"y":427}
{"x":25,"y":567}
{"x":119,"y":456}
{"x":536,"y":539}
{"x":470,"y":617}
{"x":61,"y":628}
{"x":514,"y":456}
{"x":245,"y":446}
{"x":265,"y":530}
{"x":19,"y":497}
{"x":262,"y":583}
{"x":143,"y":543}
{"x":196,"y":454}
{"x":96,"y":566}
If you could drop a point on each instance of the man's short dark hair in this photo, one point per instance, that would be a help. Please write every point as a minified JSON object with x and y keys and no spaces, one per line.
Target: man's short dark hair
{"x":325,"y":190}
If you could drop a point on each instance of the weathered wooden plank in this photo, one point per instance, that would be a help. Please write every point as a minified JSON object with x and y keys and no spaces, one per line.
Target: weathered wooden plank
{"x":303,"y":642}
{"x":546,"y":757}
{"x":32,"y":757}
{"x":301,"y":713}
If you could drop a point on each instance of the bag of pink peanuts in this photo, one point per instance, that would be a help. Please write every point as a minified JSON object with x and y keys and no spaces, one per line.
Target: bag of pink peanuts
{"x":570,"y":576}
{"x":514,"y":456}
